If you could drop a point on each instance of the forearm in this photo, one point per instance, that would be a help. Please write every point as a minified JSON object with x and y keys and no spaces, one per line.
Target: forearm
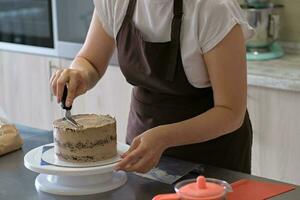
{"x":226,"y":64}
{"x":92,"y":75}
{"x":214,"y":123}
{"x":94,"y":56}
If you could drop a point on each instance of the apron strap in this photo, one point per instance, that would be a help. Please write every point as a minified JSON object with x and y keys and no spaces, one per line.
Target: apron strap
{"x":175,"y":38}
{"x":176,"y":22}
{"x":130,"y":9}
{"x":175,"y":34}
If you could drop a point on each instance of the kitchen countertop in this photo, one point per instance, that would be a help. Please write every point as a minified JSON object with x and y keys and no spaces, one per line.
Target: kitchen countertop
{"x":283,"y":73}
{"x":17,"y":182}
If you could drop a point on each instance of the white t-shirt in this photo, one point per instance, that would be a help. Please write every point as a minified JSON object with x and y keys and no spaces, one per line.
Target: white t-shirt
{"x":205,"y":23}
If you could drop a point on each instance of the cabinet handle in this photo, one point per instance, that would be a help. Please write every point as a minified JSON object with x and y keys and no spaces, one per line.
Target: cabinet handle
{"x":52,"y":68}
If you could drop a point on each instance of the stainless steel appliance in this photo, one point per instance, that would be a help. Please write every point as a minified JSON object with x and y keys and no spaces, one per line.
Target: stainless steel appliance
{"x":50,"y":27}
{"x":266,"y":23}
{"x":257,"y":3}
{"x":264,"y":17}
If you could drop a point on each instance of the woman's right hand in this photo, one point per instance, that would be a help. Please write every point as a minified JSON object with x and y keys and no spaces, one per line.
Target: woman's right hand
{"x":76,"y":81}
{"x":88,"y":66}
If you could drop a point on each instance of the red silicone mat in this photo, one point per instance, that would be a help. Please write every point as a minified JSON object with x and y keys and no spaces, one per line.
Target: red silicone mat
{"x":246,"y":189}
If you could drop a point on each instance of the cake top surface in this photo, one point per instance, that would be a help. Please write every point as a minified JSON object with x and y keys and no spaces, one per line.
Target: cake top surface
{"x":86,"y":120}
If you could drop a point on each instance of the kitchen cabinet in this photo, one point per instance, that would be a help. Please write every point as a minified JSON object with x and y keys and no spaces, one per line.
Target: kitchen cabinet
{"x":25,"y":94}
{"x":1,"y":80}
{"x":26,"y":97}
{"x":274,"y":114}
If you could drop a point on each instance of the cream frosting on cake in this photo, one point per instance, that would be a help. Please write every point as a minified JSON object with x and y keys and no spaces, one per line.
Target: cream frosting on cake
{"x":96,"y":140}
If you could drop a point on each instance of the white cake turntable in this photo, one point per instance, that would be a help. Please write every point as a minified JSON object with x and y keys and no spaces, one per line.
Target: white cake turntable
{"x":61,"y":178}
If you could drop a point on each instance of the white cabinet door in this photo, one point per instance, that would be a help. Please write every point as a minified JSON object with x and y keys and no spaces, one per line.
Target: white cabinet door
{"x":276,"y":128}
{"x":25,"y":93}
{"x":1,"y":81}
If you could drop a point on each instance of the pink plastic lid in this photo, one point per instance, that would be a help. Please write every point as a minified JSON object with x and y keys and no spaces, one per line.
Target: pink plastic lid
{"x":202,"y":189}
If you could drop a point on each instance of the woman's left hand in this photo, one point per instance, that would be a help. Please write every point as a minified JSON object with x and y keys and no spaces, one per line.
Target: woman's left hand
{"x":144,"y":152}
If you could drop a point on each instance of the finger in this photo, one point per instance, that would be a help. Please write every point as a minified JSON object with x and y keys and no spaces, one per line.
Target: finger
{"x":143,"y":165}
{"x":147,"y":167}
{"x":52,"y":85}
{"x":54,"y":75}
{"x":133,"y":162}
{"x":72,"y":88}
{"x":53,"y":81}
{"x":60,"y":85}
{"x":134,"y":145}
{"x":130,"y":158}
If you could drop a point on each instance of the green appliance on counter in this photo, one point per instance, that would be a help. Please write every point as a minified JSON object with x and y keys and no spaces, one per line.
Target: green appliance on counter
{"x":264,"y":17}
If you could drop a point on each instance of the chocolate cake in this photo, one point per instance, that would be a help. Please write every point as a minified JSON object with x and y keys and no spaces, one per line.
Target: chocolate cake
{"x":95,"y":141}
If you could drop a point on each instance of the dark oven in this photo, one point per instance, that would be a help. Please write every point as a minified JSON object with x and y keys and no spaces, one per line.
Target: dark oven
{"x":26,"y":22}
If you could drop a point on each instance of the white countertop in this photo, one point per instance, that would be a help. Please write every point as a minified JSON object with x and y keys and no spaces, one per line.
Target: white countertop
{"x":283,"y":73}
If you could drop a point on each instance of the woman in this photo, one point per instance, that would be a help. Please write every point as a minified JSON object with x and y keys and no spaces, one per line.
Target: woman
{"x":186,"y":60}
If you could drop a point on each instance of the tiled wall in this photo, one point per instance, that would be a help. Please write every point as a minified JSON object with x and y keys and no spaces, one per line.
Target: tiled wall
{"x":290,"y":23}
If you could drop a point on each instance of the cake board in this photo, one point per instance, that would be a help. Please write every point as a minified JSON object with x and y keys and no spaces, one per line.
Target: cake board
{"x":61,"y":180}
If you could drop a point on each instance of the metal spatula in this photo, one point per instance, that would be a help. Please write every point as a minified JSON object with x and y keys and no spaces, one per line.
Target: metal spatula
{"x":68,"y":115}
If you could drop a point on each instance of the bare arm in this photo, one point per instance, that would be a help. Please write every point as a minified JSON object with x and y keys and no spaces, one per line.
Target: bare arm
{"x":88,"y":66}
{"x":228,"y":74}
{"x":96,"y":51}
{"x":226,"y":64}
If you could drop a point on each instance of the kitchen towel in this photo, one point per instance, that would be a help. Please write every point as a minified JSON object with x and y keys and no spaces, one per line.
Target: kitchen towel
{"x":10,"y":139}
{"x":247,"y":189}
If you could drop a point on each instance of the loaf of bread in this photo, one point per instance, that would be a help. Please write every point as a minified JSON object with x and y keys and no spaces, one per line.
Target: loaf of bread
{"x":10,"y":139}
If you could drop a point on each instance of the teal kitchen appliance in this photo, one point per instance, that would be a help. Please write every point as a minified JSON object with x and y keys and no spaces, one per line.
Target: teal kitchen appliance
{"x":264,"y":17}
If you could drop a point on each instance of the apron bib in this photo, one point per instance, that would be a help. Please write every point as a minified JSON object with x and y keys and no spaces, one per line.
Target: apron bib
{"x":162,"y":94}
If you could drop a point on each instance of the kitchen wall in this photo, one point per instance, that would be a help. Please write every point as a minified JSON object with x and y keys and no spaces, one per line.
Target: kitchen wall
{"x":290,"y":29}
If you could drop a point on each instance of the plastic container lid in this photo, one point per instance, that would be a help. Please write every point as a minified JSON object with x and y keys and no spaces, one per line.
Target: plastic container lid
{"x":201,"y":189}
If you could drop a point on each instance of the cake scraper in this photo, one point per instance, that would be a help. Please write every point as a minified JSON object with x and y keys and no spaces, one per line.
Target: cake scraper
{"x":68,"y":115}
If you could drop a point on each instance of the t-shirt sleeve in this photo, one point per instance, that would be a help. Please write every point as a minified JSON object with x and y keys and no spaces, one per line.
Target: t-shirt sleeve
{"x":216,"y":19}
{"x":104,"y":9}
